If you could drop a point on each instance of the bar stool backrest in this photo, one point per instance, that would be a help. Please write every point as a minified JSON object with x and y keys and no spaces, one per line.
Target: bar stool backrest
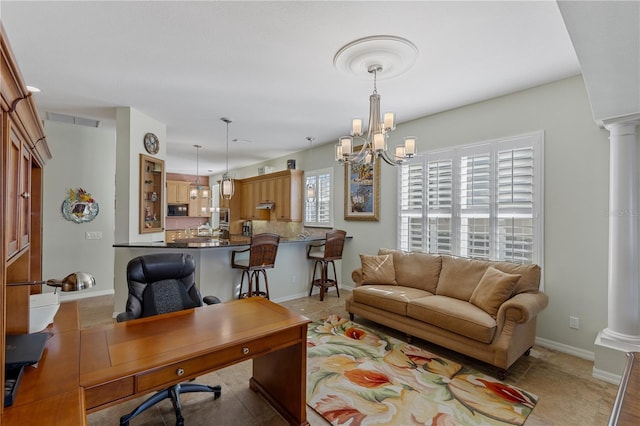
{"x":264,"y":248}
{"x":333,"y":244}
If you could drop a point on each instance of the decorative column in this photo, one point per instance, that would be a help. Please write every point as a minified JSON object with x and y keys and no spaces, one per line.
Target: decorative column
{"x":623,"y":323}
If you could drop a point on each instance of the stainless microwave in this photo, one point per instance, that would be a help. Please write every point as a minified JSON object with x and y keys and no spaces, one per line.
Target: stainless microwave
{"x":177,"y":210}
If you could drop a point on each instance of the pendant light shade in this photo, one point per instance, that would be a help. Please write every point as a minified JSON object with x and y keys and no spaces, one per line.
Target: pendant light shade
{"x":227,"y":185}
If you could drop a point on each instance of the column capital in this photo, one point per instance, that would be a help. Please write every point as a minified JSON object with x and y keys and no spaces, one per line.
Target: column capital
{"x":625,"y":125}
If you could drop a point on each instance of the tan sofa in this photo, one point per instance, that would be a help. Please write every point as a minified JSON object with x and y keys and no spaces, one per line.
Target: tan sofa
{"x":484,"y":309}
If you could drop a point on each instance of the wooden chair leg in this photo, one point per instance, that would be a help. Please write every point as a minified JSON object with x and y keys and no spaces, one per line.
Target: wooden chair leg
{"x":335,"y":277}
{"x":313,"y":278}
{"x":266,"y":283}
{"x":323,"y":282}
{"x":248,"y":293}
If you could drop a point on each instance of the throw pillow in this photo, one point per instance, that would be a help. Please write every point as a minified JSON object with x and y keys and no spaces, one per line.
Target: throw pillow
{"x":378,"y":269}
{"x":494,"y":288}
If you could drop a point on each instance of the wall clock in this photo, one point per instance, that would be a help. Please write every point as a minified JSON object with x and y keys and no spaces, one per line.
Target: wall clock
{"x":151,"y":143}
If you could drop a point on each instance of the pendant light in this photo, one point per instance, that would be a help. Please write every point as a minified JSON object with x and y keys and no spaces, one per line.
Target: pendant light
{"x":193,"y":193}
{"x":311,"y":188}
{"x":227,"y":184}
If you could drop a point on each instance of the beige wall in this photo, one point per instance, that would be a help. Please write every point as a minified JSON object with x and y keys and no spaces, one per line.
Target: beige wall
{"x":82,"y":157}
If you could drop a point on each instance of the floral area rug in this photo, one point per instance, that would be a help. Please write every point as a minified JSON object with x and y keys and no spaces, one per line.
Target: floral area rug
{"x":357,"y":376}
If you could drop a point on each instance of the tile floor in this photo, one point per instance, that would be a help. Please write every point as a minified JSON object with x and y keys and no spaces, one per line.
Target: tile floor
{"x":568,"y":394}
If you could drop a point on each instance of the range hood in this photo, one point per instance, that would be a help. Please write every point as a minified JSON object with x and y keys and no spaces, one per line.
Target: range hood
{"x":265,"y":206}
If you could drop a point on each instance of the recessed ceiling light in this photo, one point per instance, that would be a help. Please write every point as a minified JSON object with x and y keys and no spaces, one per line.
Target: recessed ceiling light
{"x":33,"y":89}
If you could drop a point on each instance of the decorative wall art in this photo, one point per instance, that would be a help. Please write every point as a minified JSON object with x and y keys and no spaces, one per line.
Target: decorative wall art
{"x":361,"y":190}
{"x":80,"y":206}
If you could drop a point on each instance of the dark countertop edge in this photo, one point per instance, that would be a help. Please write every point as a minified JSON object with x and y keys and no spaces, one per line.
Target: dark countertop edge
{"x":216,"y":244}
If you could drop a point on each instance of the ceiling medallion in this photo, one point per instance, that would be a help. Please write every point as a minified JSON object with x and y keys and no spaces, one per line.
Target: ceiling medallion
{"x":395,"y":55}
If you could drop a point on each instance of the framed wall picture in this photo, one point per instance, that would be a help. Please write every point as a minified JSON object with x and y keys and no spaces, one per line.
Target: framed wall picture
{"x":361,"y":191}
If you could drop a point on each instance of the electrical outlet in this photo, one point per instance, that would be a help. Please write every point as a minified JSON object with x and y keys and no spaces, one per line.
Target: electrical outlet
{"x":293,"y":279}
{"x":574,"y":322}
{"x":97,"y":235}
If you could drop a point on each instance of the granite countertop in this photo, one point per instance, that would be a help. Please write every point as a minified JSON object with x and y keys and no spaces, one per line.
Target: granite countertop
{"x":204,"y":243}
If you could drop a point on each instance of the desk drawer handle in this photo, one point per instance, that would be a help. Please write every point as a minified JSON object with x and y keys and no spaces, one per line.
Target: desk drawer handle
{"x":245,"y":351}
{"x":180,"y":372}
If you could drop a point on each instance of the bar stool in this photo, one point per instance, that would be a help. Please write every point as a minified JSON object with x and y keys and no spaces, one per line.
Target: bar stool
{"x":333,"y":244}
{"x":262,"y":255}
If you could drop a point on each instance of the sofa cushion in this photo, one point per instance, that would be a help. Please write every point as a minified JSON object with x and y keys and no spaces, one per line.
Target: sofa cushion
{"x":457,"y":316}
{"x":460,"y":276}
{"x":416,"y":269}
{"x":378,"y":269}
{"x":493,"y":289}
{"x":530,"y":280}
{"x":391,"y":298}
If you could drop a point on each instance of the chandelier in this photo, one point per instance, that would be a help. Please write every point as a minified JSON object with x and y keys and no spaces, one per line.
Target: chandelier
{"x":374,"y":145}
{"x":227,"y":184}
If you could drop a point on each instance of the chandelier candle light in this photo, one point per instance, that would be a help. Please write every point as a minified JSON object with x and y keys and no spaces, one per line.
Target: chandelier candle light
{"x":227,"y":184}
{"x":375,"y":144}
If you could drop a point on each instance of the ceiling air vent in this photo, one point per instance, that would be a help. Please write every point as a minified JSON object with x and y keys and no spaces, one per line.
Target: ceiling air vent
{"x":62,"y":118}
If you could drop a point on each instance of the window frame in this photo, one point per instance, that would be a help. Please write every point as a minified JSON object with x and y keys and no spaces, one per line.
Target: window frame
{"x":318,"y":173}
{"x":410,"y":218}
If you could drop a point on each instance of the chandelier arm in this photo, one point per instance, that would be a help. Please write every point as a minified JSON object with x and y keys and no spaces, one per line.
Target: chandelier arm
{"x":391,"y":159}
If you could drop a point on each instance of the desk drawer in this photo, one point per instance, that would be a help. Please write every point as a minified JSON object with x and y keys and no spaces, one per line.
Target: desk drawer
{"x":177,"y":372}
{"x":108,"y":392}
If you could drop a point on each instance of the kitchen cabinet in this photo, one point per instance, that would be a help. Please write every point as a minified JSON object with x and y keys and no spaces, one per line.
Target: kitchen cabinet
{"x":284,"y":189}
{"x":177,"y":192}
{"x":267,"y":191}
{"x":288,"y":199}
{"x":199,"y":201}
{"x":151,"y":194}
{"x":250,"y":197}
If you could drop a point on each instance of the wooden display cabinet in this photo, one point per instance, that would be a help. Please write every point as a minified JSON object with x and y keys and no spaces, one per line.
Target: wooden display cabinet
{"x":151,"y":194}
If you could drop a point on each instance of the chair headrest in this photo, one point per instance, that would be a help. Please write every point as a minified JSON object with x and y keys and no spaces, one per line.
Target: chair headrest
{"x":157,"y":267}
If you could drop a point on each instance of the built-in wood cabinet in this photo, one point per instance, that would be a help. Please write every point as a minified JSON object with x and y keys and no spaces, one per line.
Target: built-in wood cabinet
{"x":249,"y":198}
{"x":283,"y":189}
{"x":177,"y":192}
{"x":151,"y":194}
{"x":23,"y":153}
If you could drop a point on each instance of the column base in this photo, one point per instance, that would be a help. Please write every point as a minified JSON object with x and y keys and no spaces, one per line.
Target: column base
{"x":610,"y":356}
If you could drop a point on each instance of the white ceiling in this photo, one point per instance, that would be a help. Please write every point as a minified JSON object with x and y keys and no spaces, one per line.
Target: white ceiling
{"x":269,"y":65}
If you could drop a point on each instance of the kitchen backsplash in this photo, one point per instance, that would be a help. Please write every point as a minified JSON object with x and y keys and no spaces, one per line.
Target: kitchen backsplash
{"x":178,"y":223}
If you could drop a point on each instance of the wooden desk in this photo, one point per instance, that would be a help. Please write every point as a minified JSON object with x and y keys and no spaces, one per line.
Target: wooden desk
{"x":126,"y":360}
{"x":626,"y":408}
{"x":50,"y":394}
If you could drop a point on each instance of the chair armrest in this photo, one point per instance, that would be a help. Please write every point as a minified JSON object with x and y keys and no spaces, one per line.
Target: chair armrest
{"x":210,"y":300}
{"x":311,"y":247}
{"x":124,"y":316}
{"x":523,"y":307}
{"x":233,"y":255}
{"x":356,"y":276}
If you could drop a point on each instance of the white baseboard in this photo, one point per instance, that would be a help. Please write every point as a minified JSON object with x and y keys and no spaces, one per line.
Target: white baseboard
{"x":561,"y":347}
{"x":290,"y":297}
{"x":606,"y":376}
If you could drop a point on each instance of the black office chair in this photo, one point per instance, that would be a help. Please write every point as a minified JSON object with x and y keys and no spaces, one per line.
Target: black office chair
{"x":262,"y":256}
{"x":159,"y":284}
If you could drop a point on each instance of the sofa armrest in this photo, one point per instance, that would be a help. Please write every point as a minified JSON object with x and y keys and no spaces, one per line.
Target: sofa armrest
{"x":523,"y":307}
{"x":356,"y":276}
